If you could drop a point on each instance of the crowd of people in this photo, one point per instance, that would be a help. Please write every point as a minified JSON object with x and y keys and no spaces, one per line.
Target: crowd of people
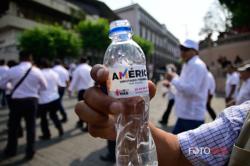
{"x":226,"y":138}
{"x":36,"y":90}
{"x":193,"y":88}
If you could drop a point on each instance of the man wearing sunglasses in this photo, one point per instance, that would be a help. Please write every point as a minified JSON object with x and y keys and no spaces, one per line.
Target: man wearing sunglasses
{"x":191,"y":89}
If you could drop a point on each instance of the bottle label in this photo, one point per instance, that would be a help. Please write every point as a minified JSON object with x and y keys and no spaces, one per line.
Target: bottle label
{"x":127,"y":81}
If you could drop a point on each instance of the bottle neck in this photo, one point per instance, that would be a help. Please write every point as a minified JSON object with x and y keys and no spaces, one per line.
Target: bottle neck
{"x":120,"y":37}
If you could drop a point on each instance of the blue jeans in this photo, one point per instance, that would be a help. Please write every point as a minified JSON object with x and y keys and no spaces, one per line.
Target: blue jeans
{"x":185,"y":125}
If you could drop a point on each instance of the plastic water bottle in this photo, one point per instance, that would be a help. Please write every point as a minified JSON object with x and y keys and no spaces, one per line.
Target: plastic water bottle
{"x":128,"y":78}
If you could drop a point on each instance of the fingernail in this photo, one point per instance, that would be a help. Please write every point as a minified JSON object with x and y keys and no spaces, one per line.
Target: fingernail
{"x":116,"y":107}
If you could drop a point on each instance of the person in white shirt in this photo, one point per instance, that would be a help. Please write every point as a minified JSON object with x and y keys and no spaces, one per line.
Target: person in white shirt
{"x":49,"y":100}
{"x":27,"y":81}
{"x":81,"y":81}
{"x":191,"y":87}
{"x":3,"y":71}
{"x":170,"y":93}
{"x":232,"y":85}
{"x":244,"y":93}
{"x":64,"y":79}
{"x":211,"y":92}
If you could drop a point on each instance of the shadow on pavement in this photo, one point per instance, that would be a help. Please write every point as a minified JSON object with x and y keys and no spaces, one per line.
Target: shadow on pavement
{"x":40,"y":144}
{"x":92,"y":159}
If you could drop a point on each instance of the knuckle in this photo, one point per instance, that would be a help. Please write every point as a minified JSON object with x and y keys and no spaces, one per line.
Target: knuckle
{"x":93,"y":132}
{"x":79,"y":108}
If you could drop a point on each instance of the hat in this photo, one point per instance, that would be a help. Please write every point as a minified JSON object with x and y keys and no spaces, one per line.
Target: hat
{"x":190,"y":44}
{"x":245,"y":67}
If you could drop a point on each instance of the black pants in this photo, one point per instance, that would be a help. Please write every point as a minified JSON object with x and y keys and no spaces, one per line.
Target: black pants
{"x":111,"y":148}
{"x":26,"y":108}
{"x":20,"y":129}
{"x":185,"y":125}
{"x":211,"y":111}
{"x":80,"y":97}
{"x":61,"y":91}
{"x":50,"y":108}
{"x":3,"y":97}
{"x":168,"y":111}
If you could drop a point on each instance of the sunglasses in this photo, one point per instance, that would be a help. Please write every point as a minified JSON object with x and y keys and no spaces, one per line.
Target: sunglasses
{"x":184,"y":49}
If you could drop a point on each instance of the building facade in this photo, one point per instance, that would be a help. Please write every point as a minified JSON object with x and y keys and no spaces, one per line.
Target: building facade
{"x":143,"y":24}
{"x":18,"y":15}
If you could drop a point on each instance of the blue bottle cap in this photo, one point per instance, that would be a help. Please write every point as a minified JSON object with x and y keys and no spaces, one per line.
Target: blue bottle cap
{"x":120,"y":26}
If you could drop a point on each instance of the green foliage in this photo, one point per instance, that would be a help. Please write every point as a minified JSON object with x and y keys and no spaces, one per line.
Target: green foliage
{"x":145,"y":45}
{"x":50,"y":42}
{"x":94,"y":34}
{"x":240,"y":10}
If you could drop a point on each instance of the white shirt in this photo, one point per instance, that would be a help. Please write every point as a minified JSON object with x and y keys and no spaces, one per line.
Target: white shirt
{"x":244,"y":93}
{"x":81,"y":79}
{"x":191,"y":86}
{"x":3,"y":71}
{"x":30,"y":86}
{"x":211,"y":83}
{"x":232,"y":79}
{"x":63,"y":75}
{"x":51,"y":92}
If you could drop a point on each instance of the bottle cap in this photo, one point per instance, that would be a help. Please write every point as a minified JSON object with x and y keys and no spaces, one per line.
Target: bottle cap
{"x":119,"y":26}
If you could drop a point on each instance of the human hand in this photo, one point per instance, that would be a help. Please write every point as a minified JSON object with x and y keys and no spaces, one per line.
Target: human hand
{"x":170,"y":75}
{"x":99,"y":110}
{"x":69,"y":93}
{"x":166,"y":83}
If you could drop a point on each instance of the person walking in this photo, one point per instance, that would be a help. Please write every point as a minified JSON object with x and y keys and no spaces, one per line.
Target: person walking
{"x":170,"y":95}
{"x":244,"y":92}
{"x":64,"y":79}
{"x":27,"y":81}
{"x":211,"y":92}
{"x":191,"y":89}
{"x":3,"y":71}
{"x":232,"y":85}
{"x":222,"y":139}
{"x":49,"y":101}
{"x":81,"y":81}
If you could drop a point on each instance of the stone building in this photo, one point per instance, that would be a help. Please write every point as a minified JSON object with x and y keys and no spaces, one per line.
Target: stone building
{"x":18,"y":15}
{"x":146,"y":26}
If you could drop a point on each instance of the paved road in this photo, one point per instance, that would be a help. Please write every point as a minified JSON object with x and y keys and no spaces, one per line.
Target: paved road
{"x":77,"y":148}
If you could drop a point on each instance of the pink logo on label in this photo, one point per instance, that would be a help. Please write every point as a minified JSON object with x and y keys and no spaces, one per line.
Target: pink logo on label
{"x":117,"y":92}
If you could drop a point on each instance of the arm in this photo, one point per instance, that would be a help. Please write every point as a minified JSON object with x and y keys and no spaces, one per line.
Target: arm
{"x":42,"y":81}
{"x":5,"y":79}
{"x":74,"y":81}
{"x":67,"y":80}
{"x":189,"y":86}
{"x":230,"y":96}
{"x":168,"y":148}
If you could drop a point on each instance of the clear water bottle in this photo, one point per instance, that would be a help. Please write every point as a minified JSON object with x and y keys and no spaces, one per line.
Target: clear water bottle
{"x":128,"y":78}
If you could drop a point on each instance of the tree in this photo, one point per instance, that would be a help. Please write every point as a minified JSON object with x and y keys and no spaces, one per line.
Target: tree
{"x":145,"y":45}
{"x":240,"y":13}
{"x":94,"y":34}
{"x":50,"y":42}
{"x":95,"y":40}
{"x":216,"y":20}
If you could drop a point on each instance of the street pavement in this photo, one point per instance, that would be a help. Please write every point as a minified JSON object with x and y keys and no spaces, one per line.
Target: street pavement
{"x":77,"y":148}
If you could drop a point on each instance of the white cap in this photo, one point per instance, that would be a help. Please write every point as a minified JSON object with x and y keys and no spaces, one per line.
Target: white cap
{"x":190,"y":44}
{"x":246,"y":67}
